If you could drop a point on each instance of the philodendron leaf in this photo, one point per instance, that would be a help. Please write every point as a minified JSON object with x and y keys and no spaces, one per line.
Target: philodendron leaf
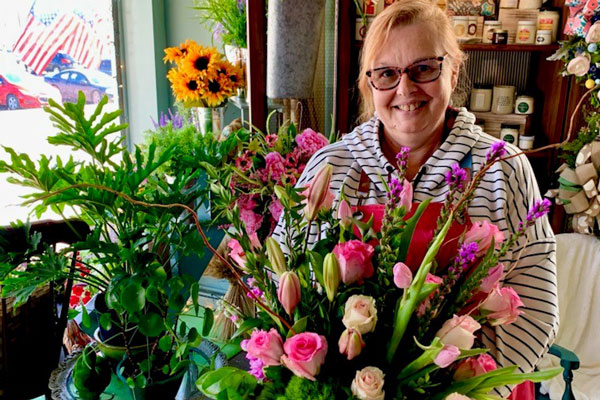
{"x":105,"y":321}
{"x":213,"y":383}
{"x":151,"y":324}
{"x":133,"y":297}
{"x":165,"y":343}
{"x":86,"y":321}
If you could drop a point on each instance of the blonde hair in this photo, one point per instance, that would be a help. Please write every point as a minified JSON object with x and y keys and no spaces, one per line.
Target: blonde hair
{"x":403,"y":13}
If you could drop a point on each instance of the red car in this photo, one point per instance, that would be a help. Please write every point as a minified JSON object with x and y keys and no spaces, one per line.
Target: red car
{"x":12,"y":98}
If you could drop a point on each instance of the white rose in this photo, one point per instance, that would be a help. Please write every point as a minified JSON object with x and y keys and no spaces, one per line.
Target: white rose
{"x":360,"y":314}
{"x":368,"y":384}
{"x":579,"y":66}
{"x":457,"y":396}
{"x":593,"y":35}
{"x":458,"y":331}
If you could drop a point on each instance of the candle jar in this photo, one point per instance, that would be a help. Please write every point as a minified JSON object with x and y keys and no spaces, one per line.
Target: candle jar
{"x":503,"y":98}
{"x":525,"y":32}
{"x":481,"y":98}
{"x":488,"y":30}
{"x":500,"y":36}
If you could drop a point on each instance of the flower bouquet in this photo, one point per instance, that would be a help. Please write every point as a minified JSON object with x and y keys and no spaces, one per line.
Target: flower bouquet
{"x":201,"y":77}
{"x":342,"y":315}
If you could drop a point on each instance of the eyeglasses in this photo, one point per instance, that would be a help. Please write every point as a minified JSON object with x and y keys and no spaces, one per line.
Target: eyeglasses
{"x":423,"y":71}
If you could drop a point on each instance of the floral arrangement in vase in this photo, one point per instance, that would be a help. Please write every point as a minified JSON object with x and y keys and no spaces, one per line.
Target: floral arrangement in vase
{"x":201,"y":77}
{"x":343,"y":315}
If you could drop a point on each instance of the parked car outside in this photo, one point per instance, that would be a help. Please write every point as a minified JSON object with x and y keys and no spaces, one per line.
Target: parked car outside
{"x":59,"y":62}
{"x":12,"y":98}
{"x":94,"y":84}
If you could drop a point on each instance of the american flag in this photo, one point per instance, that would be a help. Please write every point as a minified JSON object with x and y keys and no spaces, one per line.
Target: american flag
{"x":48,"y":31}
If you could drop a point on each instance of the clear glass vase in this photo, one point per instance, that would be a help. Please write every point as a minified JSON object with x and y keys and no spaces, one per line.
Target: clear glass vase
{"x":209,"y":119}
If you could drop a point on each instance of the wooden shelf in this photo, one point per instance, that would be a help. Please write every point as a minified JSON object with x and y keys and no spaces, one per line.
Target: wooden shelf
{"x":509,"y":47}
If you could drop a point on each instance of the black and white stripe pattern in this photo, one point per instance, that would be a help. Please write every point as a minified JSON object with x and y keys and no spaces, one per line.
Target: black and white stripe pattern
{"x":505,"y":195}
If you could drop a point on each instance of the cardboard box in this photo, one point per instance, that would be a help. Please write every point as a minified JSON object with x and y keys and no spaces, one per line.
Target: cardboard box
{"x":510,"y":18}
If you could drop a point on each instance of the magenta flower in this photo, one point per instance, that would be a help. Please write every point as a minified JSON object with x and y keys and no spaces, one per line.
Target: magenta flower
{"x":310,"y":142}
{"x":274,"y":168}
{"x":275,"y":208}
{"x":244,"y":162}
{"x":456,"y":177}
{"x":402,"y":157}
{"x":539,"y":209}
{"x":496,"y":151}
{"x":271,"y":140}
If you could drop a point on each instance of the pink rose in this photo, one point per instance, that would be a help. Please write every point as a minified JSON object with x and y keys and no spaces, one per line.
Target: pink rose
{"x":355,"y":260}
{"x":501,"y":306}
{"x":482,"y":233}
{"x":447,"y":356}
{"x":267,"y":346}
{"x":494,"y":276}
{"x":402,"y":275}
{"x":236,"y":253}
{"x":458,"y":331}
{"x":360,"y":313}
{"x":421,"y":308}
{"x":351,"y":343}
{"x":593,"y":35}
{"x":304,"y":354}
{"x":310,"y":141}
{"x":368,"y":384}
{"x":474,"y":366}
{"x":579,"y":66}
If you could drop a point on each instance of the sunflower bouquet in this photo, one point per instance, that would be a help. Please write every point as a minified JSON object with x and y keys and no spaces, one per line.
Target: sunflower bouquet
{"x":201,"y":77}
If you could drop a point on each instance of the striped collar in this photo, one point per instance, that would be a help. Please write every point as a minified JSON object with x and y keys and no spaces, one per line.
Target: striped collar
{"x":363,"y":143}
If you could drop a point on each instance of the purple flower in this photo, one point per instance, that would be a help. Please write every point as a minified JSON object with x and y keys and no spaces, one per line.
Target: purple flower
{"x":395,"y":189}
{"x":456,"y":176}
{"x":218,"y":32}
{"x":241,"y":5}
{"x":256,"y":364}
{"x":539,"y":209}
{"x":497,"y":150}
{"x":467,"y":252}
{"x":402,"y":156}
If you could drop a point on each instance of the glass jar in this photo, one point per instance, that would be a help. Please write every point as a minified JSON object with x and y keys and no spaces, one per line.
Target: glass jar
{"x":472,"y":27}
{"x":524,"y":105}
{"x":500,"y":36}
{"x":548,"y":21}
{"x":543,"y":37}
{"x":526,"y":142}
{"x":510,"y":133}
{"x":481,"y":98}
{"x":525,"y":32}
{"x":530,"y":4}
{"x":488,"y":30}
{"x":503,"y":99}
{"x":461,"y":26}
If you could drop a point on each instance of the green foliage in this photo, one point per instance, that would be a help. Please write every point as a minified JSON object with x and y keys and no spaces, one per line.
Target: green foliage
{"x":300,"y":388}
{"x":91,"y":374}
{"x":586,"y":135}
{"x":228,"y":15}
{"x":227,"y":383}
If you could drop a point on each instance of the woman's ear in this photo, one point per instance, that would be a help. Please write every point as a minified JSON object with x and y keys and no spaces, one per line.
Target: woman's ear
{"x":454,"y":77}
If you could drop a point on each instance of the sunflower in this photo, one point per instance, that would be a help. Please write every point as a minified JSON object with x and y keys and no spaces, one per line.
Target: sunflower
{"x":215,"y":92}
{"x":201,"y":61}
{"x":185,"y":87}
{"x":177,"y":54}
{"x":237,"y":76}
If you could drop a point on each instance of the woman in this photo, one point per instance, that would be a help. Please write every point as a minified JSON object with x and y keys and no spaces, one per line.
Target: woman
{"x":409,"y":69}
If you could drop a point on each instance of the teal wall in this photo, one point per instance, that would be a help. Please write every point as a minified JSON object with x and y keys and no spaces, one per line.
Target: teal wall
{"x":147,"y":27}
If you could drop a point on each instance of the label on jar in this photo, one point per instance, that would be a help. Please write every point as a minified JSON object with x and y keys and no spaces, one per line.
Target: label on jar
{"x":524,"y":35}
{"x":545,"y":23}
{"x":508,"y":138}
{"x":459,"y":30}
{"x":523,"y":107}
{"x":472,"y":29}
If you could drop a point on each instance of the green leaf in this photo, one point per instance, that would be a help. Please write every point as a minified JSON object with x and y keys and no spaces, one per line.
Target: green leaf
{"x":409,"y":229}
{"x":133,"y":297}
{"x":213,"y":383}
{"x":105,"y":321}
{"x":165,"y":343}
{"x":72,"y":313}
{"x":195,"y":289}
{"x":86,"y":321}
{"x":316,"y":262}
{"x":208,"y":321}
{"x":151,"y":325}
{"x":299,"y":326}
{"x":246,"y":326}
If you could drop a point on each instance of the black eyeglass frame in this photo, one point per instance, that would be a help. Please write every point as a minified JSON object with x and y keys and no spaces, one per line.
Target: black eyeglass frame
{"x":405,"y":70}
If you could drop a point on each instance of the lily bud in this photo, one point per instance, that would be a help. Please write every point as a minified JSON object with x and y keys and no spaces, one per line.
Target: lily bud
{"x":344,"y":213}
{"x":331,"y":275}
{"x":351,"y":343}
{"x":276,"y":256}
{"x":317,"y":192}
{"x":288,"y":291}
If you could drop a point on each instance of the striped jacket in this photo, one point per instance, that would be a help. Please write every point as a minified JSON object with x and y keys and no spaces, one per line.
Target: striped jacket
{"x":505,"y":195}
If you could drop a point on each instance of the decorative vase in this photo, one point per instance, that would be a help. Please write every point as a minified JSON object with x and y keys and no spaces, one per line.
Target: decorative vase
{"x":293,"y":37}
{"x":209,"y":119}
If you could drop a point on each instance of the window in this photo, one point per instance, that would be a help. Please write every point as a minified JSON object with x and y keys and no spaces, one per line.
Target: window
{"x":43,"y":44}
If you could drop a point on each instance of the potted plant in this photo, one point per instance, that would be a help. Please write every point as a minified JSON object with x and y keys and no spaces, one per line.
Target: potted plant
{"x":138,"y":220}
{"x":227,"y":19}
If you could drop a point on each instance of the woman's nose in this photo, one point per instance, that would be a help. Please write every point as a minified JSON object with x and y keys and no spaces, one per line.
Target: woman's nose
{"x":405,"y":86}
